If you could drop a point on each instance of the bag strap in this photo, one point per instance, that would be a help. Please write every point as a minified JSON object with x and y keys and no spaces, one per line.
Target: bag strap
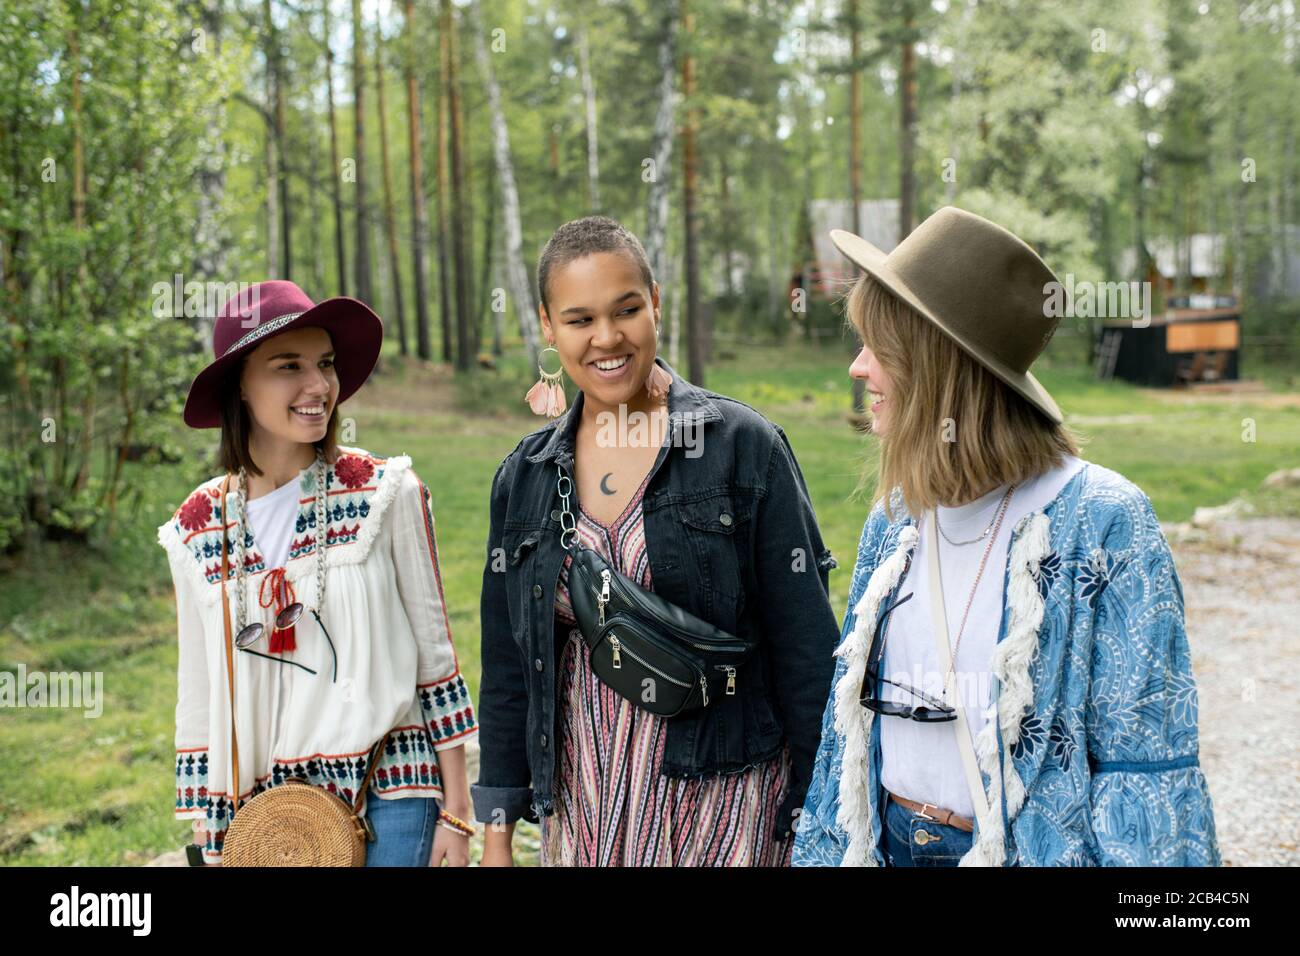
{"x":360,"y":800}
{"x":230,"y":656}
{"x":939,"y":619}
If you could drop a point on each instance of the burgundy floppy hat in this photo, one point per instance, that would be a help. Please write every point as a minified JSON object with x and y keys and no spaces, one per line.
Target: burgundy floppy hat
{"x":270,"y":308}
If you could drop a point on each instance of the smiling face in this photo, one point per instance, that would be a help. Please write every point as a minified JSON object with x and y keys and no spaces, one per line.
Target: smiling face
{"x":602,"y":320}
{"x":879,"y":388}
{"x":290,"y":386}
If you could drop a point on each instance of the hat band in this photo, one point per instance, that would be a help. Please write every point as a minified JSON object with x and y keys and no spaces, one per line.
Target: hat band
{"x":265,"y":329}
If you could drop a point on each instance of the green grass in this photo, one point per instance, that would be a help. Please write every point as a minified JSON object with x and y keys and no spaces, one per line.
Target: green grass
{"x":97,"y":791}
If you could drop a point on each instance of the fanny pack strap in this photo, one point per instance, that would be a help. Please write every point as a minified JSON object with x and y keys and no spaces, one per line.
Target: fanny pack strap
{"x":939,"y":620}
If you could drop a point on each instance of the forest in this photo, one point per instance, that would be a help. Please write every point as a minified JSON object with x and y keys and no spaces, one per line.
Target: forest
{"x":416,"y":154}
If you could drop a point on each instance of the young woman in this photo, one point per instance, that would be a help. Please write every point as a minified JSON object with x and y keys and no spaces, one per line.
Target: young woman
{"x":1014,"y":685}
{"x":346,"y":535}
{"x":694,"y":496}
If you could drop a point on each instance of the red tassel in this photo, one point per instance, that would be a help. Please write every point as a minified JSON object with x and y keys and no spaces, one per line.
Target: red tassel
{"x":281,"y":596}
{"x":282,"y":641}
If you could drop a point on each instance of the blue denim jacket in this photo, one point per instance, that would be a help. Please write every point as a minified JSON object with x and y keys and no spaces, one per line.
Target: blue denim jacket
{"x":730,"y":536}
{"x":1092,"y":758}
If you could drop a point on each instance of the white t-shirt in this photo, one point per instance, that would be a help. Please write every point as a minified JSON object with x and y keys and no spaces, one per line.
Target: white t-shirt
{"x":921,"y":761}
{"x":272,"y":518}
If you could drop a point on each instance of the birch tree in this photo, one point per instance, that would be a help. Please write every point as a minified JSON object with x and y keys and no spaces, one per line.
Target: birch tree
{"x":516,"y":273}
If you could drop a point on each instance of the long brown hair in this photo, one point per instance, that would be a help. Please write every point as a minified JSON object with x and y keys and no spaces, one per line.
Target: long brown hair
{"x":237,"y":426}
{"x":956,"y":430}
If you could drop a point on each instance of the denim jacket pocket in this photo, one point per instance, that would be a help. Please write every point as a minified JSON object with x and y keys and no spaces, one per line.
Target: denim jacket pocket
{"x":518,"y":544}
{"x":717,"y":531}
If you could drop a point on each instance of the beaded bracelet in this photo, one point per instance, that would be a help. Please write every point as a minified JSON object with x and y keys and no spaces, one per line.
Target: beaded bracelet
{"x":455,"y":823}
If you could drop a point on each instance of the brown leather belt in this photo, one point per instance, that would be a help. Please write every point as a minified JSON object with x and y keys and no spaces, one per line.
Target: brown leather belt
{"x":930,"y":812}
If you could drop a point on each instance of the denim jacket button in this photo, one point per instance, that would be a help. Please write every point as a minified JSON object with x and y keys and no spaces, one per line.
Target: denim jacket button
{"x":555,"y":514}
{"x":537,"y":590}
{"x":543,"y":740}
{"x":538,"y":664}
{"x":725,"y":519}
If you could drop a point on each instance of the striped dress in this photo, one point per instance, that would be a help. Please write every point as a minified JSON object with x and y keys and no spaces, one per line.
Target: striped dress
{"x":614,"y":806}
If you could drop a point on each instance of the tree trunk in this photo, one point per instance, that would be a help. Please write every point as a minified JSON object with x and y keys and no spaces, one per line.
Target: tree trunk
{"x":589,"y":97}
{"x":443,"y":190}
{"x":457,"y":197}
{"x":858,"y":387}
{"x":696,"y":333}
{"x":418,"y":223}
{"x":340,"y":249}
{"x":79,"y":225}
{"x":516,"y":272}
{"x":661,"y":151}
{"x":282,"y":174}
{"x":483,"y":296}
{"x":907,"y":133}
{"x":211,"y":238}
{"x":675,"y":324}
{"x":725,"y":227}
{"x":390,"y":220}
{"x":364,"y":291}
{"x":855,"y":120}
{"x":314,"y":206}
{"x":273,"y":248}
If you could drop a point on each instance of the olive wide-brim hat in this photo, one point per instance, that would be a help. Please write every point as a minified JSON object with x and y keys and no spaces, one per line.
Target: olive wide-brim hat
{"x":271,"y":308}
{"x":982,"y":286}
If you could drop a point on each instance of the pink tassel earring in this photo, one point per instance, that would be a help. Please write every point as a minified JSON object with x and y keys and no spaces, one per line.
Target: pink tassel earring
{"x":656,"y":385}
{"x":546,"y":397}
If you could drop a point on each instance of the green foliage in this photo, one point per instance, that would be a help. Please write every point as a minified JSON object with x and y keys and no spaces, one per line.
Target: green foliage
{"x":92,"y":375}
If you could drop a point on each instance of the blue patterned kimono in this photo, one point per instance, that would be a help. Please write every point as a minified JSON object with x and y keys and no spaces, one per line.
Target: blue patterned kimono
{"x":1091,"y":758}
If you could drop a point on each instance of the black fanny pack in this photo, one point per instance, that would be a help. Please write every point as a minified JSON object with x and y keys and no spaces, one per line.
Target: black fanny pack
{"x":661,"y":658}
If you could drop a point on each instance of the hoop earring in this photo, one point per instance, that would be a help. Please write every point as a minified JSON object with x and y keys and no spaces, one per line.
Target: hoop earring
{"x":546,"y":397}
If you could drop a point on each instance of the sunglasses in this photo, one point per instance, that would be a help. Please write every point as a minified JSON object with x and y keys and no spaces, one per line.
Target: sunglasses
{"x":286,"y":619}
{"x":932,"y":711}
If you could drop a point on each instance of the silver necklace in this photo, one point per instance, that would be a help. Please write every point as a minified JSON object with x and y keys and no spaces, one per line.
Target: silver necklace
{"x":983,"y":534}
{"x":242,"y":531}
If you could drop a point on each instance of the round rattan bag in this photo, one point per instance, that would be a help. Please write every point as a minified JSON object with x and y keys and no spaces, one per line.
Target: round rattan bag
{"x":296,"y":824}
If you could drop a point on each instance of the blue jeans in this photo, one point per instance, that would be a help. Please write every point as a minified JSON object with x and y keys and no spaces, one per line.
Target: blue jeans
{"x":911,"y":840}
{"x":403,"y":830}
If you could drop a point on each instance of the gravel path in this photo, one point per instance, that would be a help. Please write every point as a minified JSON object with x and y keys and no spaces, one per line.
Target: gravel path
{"x":1241,"y":585}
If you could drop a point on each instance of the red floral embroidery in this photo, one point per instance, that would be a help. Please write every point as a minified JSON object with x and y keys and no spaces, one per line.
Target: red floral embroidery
{"x":196,"y":511}
{"x":353,"y":471}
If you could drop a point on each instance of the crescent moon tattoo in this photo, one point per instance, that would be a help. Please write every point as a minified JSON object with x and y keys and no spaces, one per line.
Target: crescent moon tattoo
{"x":605,"y":489}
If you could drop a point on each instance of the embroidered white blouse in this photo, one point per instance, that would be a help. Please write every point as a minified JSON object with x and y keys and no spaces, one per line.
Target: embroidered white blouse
{"x":384,"y":610}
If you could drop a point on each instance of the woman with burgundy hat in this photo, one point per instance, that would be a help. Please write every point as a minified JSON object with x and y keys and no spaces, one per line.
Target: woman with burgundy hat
{"x":1013,"y":685}
{"x":321,"y":562}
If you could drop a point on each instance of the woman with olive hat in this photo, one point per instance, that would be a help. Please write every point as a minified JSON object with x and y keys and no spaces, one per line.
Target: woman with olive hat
{"x":322,"y":676}
{"x":1014,"y":684}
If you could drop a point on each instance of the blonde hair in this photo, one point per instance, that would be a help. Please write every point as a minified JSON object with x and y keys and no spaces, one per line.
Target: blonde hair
{"x":956,"y":430}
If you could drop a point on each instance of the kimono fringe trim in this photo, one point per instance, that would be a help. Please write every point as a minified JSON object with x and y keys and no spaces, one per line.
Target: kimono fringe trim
{"x":303,"y":566}
{"x":1010,"y":664}
{"x":852,"y":720}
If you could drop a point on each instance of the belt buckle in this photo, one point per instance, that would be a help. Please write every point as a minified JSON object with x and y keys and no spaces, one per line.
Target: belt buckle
{"x":925,"y":816}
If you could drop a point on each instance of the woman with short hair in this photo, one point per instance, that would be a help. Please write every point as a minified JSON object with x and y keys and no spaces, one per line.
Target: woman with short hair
{"x":1014,"y":684}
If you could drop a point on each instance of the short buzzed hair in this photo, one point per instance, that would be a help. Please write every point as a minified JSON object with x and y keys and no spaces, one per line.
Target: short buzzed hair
{"x":582,"y":237}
